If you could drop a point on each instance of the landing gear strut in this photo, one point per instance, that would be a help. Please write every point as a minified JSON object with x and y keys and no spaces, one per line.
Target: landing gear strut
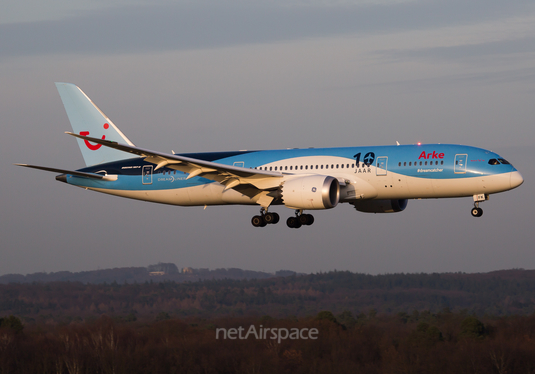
{"x":265,"y":218}
{"x":299,"y":220}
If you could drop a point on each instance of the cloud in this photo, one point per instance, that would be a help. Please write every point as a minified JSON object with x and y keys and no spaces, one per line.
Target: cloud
{"x":208,"y":24}
{"x":468,"y":52}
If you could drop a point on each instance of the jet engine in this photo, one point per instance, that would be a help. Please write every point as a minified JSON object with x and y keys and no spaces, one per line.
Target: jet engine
{"x":381,"y":206}
{"x":311,"y":192}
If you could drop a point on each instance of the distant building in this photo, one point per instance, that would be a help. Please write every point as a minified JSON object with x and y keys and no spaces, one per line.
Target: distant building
{"x":187,"y":271}
{"x":162,"y":267}
{"x":156,"y":273}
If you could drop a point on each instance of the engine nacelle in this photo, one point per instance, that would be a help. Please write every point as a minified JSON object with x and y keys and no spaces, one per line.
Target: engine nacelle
{"x":381,"y":206}
{"x":312,"y":192}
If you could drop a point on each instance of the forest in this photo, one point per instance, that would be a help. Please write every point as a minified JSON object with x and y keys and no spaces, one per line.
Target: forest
{"x":167,"y":272}
{"x":391,"y":323}
{"x":419,"y":342}
{"x":500,"y":293}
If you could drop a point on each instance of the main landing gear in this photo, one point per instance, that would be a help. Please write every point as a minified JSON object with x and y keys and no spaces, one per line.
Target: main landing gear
{"x":299,"y":220}
{"x":266,"y":218}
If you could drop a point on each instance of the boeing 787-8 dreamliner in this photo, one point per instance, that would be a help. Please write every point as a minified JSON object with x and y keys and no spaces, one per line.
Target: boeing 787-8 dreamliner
{"x":374,"y":179}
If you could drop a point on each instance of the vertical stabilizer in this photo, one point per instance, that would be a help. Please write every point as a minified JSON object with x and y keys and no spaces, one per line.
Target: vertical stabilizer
{"x":87,"y":119}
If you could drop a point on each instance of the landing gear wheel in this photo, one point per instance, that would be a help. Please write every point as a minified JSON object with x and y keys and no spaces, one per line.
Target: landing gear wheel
{"x":271,"y":218}
{"x":258,"y":221}
{"x":293,"y":222}
{"x":477,"y":212}
{"x":306,"y":219}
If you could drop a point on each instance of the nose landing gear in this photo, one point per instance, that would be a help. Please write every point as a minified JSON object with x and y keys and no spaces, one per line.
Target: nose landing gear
{"x":476,"y":210}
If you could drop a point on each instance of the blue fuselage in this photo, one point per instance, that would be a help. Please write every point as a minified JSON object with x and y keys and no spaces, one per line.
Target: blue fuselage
{"x":376,"y":172}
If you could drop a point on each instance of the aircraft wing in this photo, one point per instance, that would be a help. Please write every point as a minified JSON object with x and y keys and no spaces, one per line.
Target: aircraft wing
{"x":229,"y":176}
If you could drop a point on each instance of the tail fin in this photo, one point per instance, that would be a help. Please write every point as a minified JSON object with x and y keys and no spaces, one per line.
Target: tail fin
{"x":87,"y":119}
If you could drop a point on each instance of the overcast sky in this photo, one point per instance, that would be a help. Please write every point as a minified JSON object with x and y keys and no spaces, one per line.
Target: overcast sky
{"x":209,"y":75}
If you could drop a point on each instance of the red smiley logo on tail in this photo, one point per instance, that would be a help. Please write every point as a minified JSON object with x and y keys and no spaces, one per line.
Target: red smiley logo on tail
{"x":91,"y":146}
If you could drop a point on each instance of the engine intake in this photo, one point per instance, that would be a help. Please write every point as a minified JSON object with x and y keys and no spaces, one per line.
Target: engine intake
{"x":381,"y":206}
{"x":312,"y":192}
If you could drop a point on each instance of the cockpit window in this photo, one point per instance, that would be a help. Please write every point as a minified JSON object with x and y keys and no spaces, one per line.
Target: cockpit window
{"x":499,"y":161}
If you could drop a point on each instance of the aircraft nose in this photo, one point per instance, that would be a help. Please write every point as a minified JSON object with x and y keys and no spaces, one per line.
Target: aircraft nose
{"x":516,"y":179}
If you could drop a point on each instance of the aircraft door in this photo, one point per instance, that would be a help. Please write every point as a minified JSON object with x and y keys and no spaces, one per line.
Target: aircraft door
{"x":460,"y":164}
{"x":381,"y":165}
{"x":147,"y":174}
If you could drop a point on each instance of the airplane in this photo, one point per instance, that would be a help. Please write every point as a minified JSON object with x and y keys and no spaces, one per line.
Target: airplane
{"x":374,"y":179}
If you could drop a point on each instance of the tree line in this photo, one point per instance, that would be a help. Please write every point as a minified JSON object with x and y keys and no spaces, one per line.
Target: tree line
{"x":499,"y":293}
{"x":416,"y":342}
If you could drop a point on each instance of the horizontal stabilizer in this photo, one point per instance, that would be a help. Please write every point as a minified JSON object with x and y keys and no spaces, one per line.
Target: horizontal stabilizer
{"x":62,"y":171}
